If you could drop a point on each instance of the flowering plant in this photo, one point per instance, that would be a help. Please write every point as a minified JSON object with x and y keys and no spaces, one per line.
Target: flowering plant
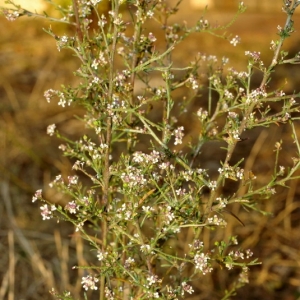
{"x":137,"y":186}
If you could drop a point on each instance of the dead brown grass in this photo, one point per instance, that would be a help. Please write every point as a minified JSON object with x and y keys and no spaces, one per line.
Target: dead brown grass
{"x":37,"y":255}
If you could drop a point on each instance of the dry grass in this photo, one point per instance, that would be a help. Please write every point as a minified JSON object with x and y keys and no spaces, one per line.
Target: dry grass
{"x":37,"y":255}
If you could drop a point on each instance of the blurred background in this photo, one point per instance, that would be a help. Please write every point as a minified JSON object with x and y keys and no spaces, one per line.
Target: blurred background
{"x":37,"y":255}
{"x":254,"y":5}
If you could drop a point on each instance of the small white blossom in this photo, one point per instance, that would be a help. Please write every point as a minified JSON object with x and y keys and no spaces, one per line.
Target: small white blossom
{"x":201,"y":261}
{"x":233,"y":115}
{"x":228,"y":94}
{"x":178,"y":135}
{"x":49,"y":94}
{"x":145,"y":248}
{"x":147,"y":209}
{"x":72,"y":207}
{"x":73,"y":180}
{"x":249,"y":253}
{"x":109,"y":295}
{"x":89,"y":282}
{"x":240,"y":173}
{"x":236,"y":40}
{"x":169,"y":216}
{"x":150,"y":14}
{"x":62,"y":42}
{"x":186,"y":288}
{"x":151,"y":37}
{"x":194,"y":83}
{"x":101,"y":255}
{"x":95,"y":2}
{"x":79,"y":226}
{"x":37,"y":195}
{"x":212,"y":185}
{"x":46,"y":211}
{"x":164,"y":165}
{"x":215,"y":220}
{"x":10,"y":15}
{"x":153,"y":279}
{"x":51,"y":129}
{"x":222,"y":202}
{"x":202,"y":114}
{"x":129,"y":262}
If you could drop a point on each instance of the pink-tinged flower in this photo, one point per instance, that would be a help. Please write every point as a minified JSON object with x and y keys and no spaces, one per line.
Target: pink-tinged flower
{"x":11,"y":15}
{"x":73,"y":180}
{"x":129,"y":262}
{"x":178,"y":135}
{"x":89,"y":282}
{"x":37,"y":195}
{"x":49,"y":94}
{"x":71,"y":207}
{"x":201,"y":262}
{"x":151,"y":37}
{"x":46,"y":211}
{"x":187,"y":288}
{"x":110,"y":295}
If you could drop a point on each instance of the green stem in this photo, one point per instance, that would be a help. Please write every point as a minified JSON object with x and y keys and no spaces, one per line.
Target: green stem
{"x":106,"y":172}
{"x":231,"y":147}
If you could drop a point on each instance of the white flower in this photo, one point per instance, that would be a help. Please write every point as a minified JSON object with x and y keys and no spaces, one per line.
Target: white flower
{"x":46,"y":212}
{"x":236,"y":40}
{"x":51,"y":129}
{"x":89,"y":282}
{"x":37,"y":195}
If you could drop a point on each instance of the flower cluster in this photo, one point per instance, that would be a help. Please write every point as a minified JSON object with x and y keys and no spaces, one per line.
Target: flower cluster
{"x":254,"y":58}
{"x":51,"y":129}
{"x":62,"y":42}
{"x":153,"y":279}
{"x":101,"y":255}
{"x":186,"y":288}
{"x":255,"y":95}
{"x":202,"y":263}
{"x":37,"y":195}
{"x":72,"y":207}
{"x":46,"y":211}
{"x":236,"y":40}
{"x":109,"y":294}
{"x":10,"y":15}
{"x":129,"y":263}
{"x":178,"y":135}
{"x":49,"y":94}
{"x":215,"y":220}
{"x":101,"y":60}
{"x":133,"y":178}
{"x":234,"y":173}
{"x":202,"y":114}
{"x":244,"y":275}
{"x":152,"y":158}
{"x":89,"y":282}
{"x":126,"y":211}
{"x":194,"y":82}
